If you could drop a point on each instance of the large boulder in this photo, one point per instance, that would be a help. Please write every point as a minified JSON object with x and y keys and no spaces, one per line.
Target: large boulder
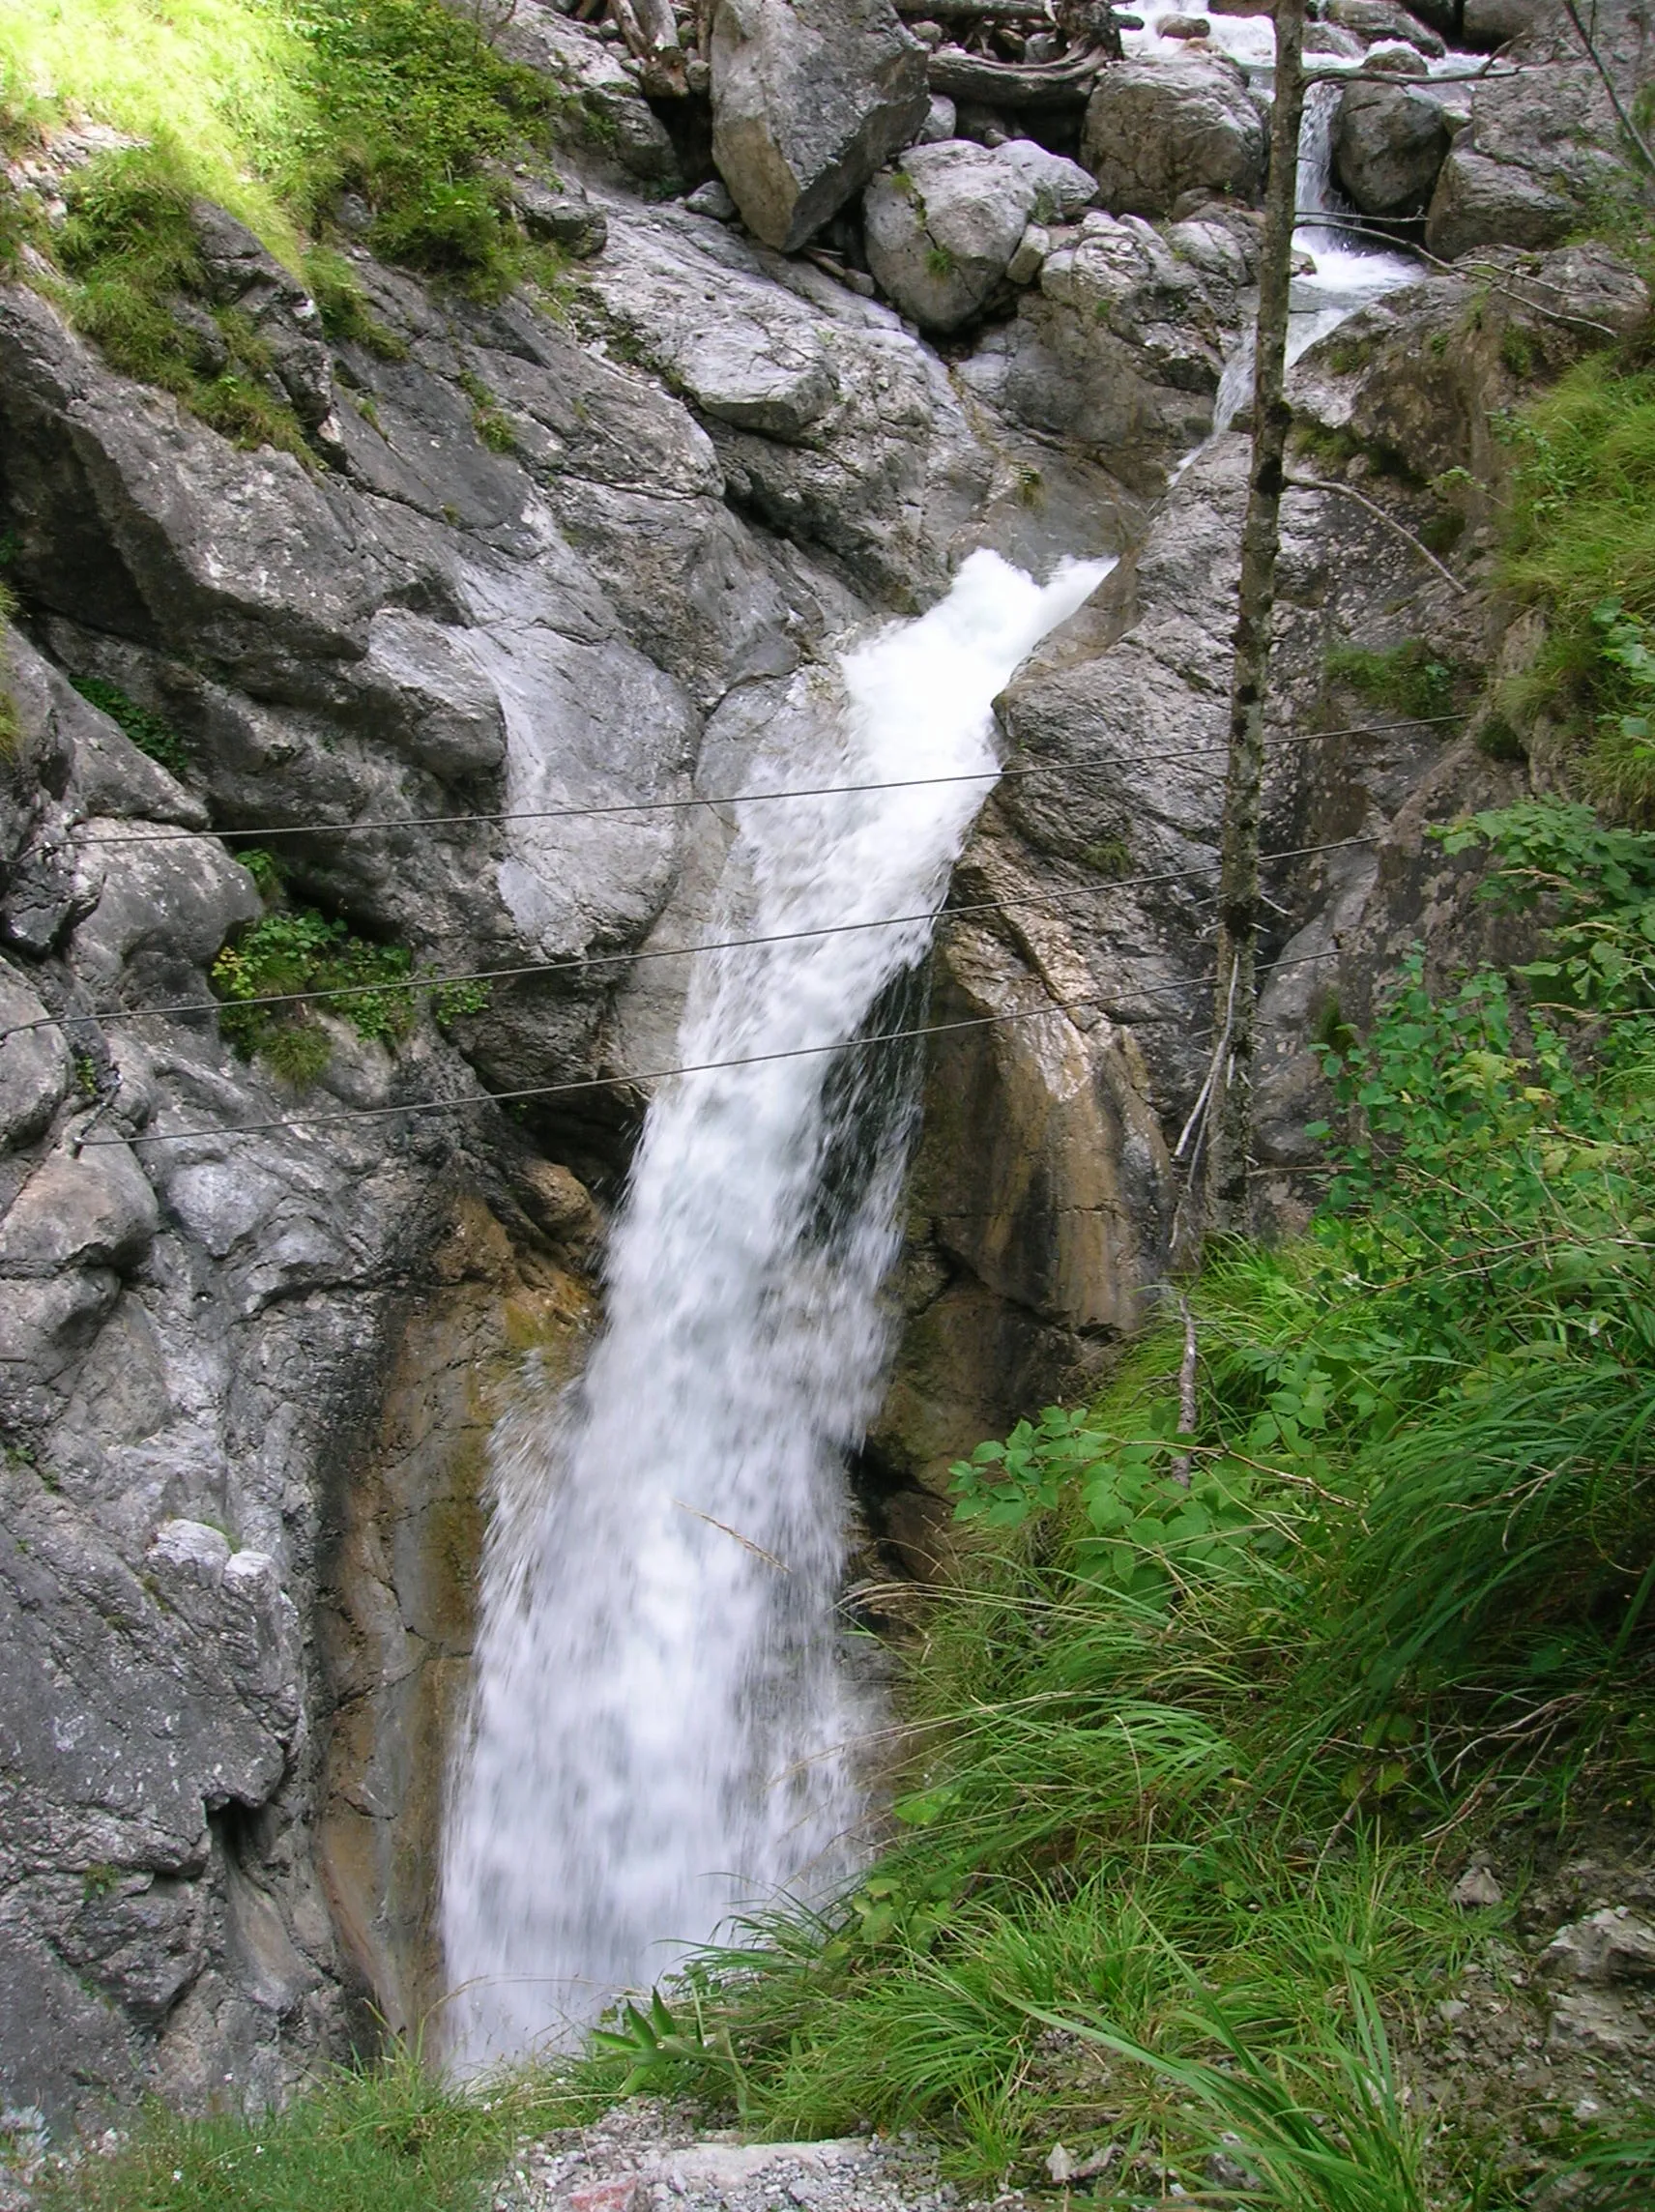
{"x":1389,"y":146}
{"x":809,"y":98}
{"x":1478,"y":202}
{"x":1542,"y":144}
{"x":1378,"y":19}
{"x":1157,"y":129}
{"x":943,"y":229}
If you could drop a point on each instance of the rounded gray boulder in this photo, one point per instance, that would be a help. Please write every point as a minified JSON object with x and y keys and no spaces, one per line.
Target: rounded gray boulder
{"x":1157,"y":129}
{"x":1389,"y":146}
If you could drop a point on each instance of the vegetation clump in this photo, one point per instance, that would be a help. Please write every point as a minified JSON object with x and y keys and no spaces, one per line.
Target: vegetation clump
{"x":147,"y":731}
{"x":292,"y":950}
{"x":276,"y":109}
{"x":1210,"y":1707}
{"x":1582,"y":545}
{"x":1409,"y":678}
{"x":141,"y":292}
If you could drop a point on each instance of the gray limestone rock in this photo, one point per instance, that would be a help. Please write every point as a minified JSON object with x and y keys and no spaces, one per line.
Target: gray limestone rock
{"x":605,"y":115}
{"x":1375,"y":19}
{"x":92,"y":1209}
{"x":1541,"y":143}
{"x":1121,"y":345}
{"x":564,"y":218}
{"x":1389,"y":146}
{"x":1478,"y":202}
{"x":809,"y":97}
{"x":1157,"y":129}
{"x":34,"y":1063}
{"x":244,"y":274}
{"x":754,"y":379}
{"x":1609,"y":1946}
{"x":942,"y":228}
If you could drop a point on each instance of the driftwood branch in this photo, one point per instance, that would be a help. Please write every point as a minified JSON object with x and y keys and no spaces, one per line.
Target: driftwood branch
{"x":1345,"y":492}
{"x":977,"y":10}
{"x":1014,"y":84}
{"x":651,"y":32}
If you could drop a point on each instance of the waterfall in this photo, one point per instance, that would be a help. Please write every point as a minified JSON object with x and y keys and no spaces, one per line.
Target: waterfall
{"x":663,"y":1723}
{"x":1347,"y":272}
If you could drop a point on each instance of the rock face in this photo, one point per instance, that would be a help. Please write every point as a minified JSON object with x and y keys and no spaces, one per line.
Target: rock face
{"x":1389,"y":146}
{"x":1157,"y":129}
{"x":809,"y":97}
{"x":1539,"y":146}
{"x":943,"y":229}
{"x":1120,"y":344}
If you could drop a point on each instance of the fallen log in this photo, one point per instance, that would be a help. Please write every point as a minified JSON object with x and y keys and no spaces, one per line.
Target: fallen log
{"x":1015,"y":84}
{"x":651,"y":32}
{"x":977,"y":12}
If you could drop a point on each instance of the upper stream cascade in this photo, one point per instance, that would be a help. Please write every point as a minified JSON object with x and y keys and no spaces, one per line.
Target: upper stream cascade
{"x":664,"y":1725}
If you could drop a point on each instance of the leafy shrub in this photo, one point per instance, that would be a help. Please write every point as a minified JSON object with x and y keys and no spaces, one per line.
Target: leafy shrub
{"x":1153,"y":1521}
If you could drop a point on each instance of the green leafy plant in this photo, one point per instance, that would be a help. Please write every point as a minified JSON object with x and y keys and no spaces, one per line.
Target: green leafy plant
{"x":664,"y":2051}
{"x":147,"y":731}
{"x":1153,"y":1521}
{"x":296,"y":950}
{"x":452,"y":1003}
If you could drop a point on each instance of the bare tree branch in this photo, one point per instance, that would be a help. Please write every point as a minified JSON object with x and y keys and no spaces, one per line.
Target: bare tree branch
{"x":1346,"y":491}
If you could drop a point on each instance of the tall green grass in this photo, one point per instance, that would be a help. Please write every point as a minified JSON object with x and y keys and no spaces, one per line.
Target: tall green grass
{"x":230,"y":79}
{"x":388,"y":2138}
{"x":276,"y":109}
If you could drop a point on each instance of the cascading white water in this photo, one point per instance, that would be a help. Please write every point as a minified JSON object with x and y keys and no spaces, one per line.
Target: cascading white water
{"x":1346,"y":274}
{"x":662,"y":1721}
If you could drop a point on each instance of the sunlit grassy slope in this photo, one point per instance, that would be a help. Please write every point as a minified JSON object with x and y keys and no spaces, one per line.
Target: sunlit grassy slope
{"x":229,"y":80}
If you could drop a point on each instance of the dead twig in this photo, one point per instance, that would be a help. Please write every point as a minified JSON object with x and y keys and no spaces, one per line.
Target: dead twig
{"x":1345,"y":491}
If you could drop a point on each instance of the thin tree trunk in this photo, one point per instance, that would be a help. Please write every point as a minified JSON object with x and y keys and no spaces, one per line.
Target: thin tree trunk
{"x":1230,"y":1108}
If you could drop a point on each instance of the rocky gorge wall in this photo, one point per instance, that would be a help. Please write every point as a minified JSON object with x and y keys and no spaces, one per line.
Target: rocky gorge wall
{"x":547,"y":556}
